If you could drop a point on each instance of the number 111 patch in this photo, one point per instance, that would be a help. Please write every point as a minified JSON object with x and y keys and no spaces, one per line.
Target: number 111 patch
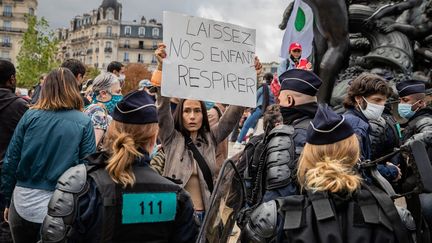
{"x":149,"y":207}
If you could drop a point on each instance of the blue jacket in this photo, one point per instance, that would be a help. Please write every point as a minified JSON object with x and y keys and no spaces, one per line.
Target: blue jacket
{"x":260,"y":96}
{"x":361,"y":127}
{"x":44,"y":145}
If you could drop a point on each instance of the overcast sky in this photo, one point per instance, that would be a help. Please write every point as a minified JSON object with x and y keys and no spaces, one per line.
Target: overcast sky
{"x":262,"y":15}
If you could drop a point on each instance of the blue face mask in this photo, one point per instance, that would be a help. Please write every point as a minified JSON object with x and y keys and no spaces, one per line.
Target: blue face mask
{"x":209,"y":104}
{"x":405,"y":111}
{"x":109,"y":105}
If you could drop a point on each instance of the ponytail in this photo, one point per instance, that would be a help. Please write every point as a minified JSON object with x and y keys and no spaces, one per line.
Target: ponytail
{"x":122,"y":142}
{"x":333,"y":176}
{"x":120,"y":163}
{"x":330,"y":167}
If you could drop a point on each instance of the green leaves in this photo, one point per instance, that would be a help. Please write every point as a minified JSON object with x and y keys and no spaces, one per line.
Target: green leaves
{"x":38,"y":52}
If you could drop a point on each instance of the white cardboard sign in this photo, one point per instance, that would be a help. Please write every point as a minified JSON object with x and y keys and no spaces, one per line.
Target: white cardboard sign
{"x":208,"y":60}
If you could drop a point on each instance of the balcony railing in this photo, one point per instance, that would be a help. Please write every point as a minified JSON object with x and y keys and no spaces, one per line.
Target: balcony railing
{"x":7,"y":14}
{"x":6,"y":44}
{"x":108,"y":49}
{"x":80,"y":39}
{"x":14,"y":30}
{"x":106,"y":35}
{"x":89,"y":51}
{"x":139,"y":47}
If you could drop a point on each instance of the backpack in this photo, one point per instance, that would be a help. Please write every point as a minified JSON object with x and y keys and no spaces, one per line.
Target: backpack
{"x":252,"y":162}
{"x":248,"y":162}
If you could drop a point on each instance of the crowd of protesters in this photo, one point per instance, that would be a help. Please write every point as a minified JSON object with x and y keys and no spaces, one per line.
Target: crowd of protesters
{"x":75,"y":156}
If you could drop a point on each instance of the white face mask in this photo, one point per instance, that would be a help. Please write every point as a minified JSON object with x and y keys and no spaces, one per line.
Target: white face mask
{"x":372,"y":111}
{"x":122,"y":77}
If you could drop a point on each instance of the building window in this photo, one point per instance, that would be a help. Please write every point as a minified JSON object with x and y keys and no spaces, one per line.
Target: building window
{"x":126,"y":45}
{"x":153,"y":60}
{"x":126,"y":57}
{"x":110,"y":14}
{"x":109,"y":31}
{"x":7,"y":24}
{"x":155,"y":43}
{"x":155,"y":32}
{"x":6,"y":39}
{"x":7,"y":11}
{"x":108,"y":44}
{"x":5,"y":55}
{"x":141,"y":31}
{"x":128,"y":30}
{"x":140,"y":58}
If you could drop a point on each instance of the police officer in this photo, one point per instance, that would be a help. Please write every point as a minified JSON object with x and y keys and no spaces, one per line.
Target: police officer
{"x":117,"y":197}
{"x":335,"y":206}
{"x":413,"y":107}
{"x":298,"y":105}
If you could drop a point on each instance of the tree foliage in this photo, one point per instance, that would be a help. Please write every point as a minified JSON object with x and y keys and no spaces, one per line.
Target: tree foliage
{"x":38,"y":52}
{"x":135,"y":72}
{"x":91,"y":73}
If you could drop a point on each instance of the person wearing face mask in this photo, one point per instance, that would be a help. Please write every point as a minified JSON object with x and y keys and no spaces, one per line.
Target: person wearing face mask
{"x":106,"y":94}
{"x":107,"y":91}
{"x":413,"y":107}
{"x":298,"y":105}
{"x":118,"y":70}
{"x":364,"y":102}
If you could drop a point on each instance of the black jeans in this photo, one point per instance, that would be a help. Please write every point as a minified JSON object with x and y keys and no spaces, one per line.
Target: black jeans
{"x":23,"y":231}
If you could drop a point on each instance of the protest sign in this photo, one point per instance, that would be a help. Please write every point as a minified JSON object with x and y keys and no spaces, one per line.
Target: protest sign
{"x":208,"y":60}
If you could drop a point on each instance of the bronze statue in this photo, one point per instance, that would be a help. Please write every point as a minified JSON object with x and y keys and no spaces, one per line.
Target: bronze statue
{"x":330,"y":40}
{"x":370,"y":34}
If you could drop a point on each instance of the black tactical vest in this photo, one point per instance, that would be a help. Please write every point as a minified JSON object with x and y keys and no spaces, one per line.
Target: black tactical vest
{"x":144,"y":213}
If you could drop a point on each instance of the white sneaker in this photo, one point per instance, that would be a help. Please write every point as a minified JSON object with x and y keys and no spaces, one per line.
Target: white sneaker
{"x":237,"y":145}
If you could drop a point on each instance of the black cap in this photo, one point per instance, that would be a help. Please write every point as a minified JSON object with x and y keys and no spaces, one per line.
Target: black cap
{"x":302,"y":81}
{"x":410,"y":87}
{"x":328,"y":127}
{"x":136,"y":108}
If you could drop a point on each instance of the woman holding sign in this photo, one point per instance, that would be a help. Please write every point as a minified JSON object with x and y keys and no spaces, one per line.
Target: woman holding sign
{"x":190,"y":143}
{"x":117,"y":197}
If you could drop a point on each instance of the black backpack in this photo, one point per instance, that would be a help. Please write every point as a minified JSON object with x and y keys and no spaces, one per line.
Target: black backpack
{"x":248,"y":162}
{"x":252,"y":162}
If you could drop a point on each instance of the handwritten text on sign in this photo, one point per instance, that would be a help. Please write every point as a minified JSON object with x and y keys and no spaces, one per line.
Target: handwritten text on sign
{"x":208,"y":60}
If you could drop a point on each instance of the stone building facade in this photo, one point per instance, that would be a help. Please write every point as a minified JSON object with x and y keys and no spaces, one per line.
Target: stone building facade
{"x":99,"y":37}
{"x":13,"y":25}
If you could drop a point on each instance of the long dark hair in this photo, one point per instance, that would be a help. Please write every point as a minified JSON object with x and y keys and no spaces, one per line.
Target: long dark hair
{"x":178,"y":120}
